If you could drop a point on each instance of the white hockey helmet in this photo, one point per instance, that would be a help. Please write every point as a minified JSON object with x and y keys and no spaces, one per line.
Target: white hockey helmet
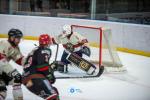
{"x":66,"y":29}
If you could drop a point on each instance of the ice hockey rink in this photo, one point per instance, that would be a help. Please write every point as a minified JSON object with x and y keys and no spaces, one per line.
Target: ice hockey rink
{"x":131,"y":85}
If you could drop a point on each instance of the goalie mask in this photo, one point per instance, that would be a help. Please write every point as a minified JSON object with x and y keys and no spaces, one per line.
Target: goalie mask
{"x":45,"y":40}
{"x":14,"y":36}
{"x":66,"y":30}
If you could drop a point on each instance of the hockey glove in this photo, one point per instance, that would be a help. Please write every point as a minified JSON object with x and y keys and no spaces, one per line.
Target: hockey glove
{"x":16,"y":75}
{"x":51,"y":78}
{"x":54,"y":65}
{"x":86,"y":50}
{"x":6,"y":78}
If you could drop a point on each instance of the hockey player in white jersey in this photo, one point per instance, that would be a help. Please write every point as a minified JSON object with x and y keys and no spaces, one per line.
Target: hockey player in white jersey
{"x":9,"y":50}
{"x":72,"y":42}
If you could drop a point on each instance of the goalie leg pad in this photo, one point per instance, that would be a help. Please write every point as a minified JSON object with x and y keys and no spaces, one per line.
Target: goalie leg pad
{"x":81,"y":63}
{"x":91,"y":70}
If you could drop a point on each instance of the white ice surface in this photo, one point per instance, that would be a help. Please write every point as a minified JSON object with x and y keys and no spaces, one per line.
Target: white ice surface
{"x":132,"y":85}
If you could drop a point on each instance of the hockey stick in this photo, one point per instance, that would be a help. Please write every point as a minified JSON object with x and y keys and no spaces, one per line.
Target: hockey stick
{"x":101,"y":70}
{"x":56,"y":52}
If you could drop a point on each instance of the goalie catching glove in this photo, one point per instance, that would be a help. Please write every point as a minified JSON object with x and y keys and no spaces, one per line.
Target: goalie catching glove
{"x":86,"y":50}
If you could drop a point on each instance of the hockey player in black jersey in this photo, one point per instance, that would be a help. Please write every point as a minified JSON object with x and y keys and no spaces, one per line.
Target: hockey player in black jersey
{"x":38,"y":74}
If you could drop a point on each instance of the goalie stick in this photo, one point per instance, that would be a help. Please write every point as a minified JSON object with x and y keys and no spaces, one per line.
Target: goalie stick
{"x":56,"y":51}
{"x":100,"y":71}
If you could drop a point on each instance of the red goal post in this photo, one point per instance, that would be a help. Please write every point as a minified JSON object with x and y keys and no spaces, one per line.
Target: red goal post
{"x":103,"y":51}
{"x":99,"y":30}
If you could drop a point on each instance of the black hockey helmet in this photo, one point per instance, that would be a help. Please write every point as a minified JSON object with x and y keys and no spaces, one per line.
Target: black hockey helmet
{"x":15,"y":33}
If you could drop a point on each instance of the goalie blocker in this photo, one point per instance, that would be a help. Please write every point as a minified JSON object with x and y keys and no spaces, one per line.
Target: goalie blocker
{"x":81,"y":63}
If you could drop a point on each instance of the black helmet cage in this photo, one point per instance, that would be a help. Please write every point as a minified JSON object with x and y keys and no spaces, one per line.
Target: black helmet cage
{"x":15,"y":33}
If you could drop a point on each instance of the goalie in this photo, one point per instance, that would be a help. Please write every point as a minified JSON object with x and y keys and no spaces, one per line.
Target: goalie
{"x":72,"y":42}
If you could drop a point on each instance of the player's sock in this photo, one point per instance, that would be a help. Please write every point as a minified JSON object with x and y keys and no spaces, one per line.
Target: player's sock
{"x":17,"y":92}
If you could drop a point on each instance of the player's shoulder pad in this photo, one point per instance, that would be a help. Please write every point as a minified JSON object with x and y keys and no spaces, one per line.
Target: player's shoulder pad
{"x":6,"y":45}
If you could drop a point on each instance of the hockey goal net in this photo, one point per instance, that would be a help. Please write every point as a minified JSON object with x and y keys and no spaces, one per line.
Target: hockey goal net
{"x":103,"y":52}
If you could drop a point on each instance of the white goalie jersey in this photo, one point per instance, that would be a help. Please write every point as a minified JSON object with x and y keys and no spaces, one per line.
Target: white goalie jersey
{"x":75,"y":39}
